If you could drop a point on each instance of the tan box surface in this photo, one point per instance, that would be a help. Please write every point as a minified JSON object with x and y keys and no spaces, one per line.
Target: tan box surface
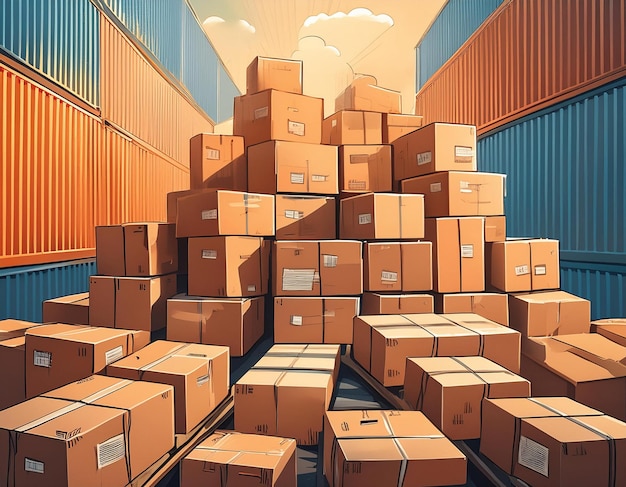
{"x":493,"y":306}
{"x":364,"y":94}
{"x":265,"y":73}
{"x":72,"y":309}
{"x":396,"y":125}
{"x":398,"y":266}
{"x":12,"y":361}
{"x":217,"y":162}
{"x":352,"y":127}
{"x":365,"y":168}
{"x":392,"y":304}
{"x":305,"y":217}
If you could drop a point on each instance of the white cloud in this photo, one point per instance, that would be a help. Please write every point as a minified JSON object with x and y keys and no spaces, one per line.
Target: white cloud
{"x":357,"y":13}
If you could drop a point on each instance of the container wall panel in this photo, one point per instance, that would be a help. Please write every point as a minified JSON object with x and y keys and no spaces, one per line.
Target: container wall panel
{"x":529,"y":53}
{"x":60,"y":39}
{"x":23,"y":289}
{"x":227,"y":93}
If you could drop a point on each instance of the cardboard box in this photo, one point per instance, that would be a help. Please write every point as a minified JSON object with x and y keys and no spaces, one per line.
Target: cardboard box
{"x":200,"y":375}
{"x":236,"y":323}
{"x":12,"y":362}
{"x":524,"y":264}
{"x":292,"y":167}
{"x":553,"y":441}
{"x":59,"y":354}
{"x":455,"y":193}
{"x":172,"y":201}
{"x":385,"y":216}
{"x":458,"y":254}
{"x":278,"y":115}
{"x":215,"y":213}
{"x":398,"y":266}
{"x":433,"y":148}
{"x":217,"y":162}
{"x":317,"y":268}
{"x":72,"y":309}
{"x":365,"y":168}
{"x":549,"y":313}
{"x":240,"y":457}
{"x":304,"y":217}
{"x":239,"y":266}
{"x":613,"y":328}
{"x":314,"y":320}
{"x":265,"y":73}
{"x":364,"y":94}
{"x":396,"y":125}
{"x":352,"y":127}
{"x":130,"y":303}
{"x":320,"y":357}
{"x":493,"y":306}
{"x":450,"y":390}
{"x":495,"y":228}
{"x":147,"y":404}
{"x":396,"y":304}
{"x":136,"y":249}
{"x":375,"y":448}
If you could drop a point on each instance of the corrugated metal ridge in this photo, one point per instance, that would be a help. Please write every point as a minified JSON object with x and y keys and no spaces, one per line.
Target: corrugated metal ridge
{"x":432,"y":22}
{"x":12,"y":271}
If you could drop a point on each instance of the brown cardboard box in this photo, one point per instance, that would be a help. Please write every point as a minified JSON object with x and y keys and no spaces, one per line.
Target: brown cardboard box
{"x":147,"y":404}
{"x":59,"y":354}
{"x":321,"y":357}
{"x":450,"y":390}
{"x":493,"y":306}
{"x":242,"y":459}
{"x":12,"y":362}
{"x":305,"y":217}
{"x":433,"y":148}
{"x":352,"y":127}
{"x":130,"y":303}
{"x":612,"y":328}
{"x":72,"y":309}
{"x":238,"y":266}
{"x":549,"y":313}
{"x":215,"y":213}
{"x":172,"y":201}
{"x":553,"y":441}
{"x":495,"y":228}
{"x":524,"y":264}
{"x":364,"y":94}
{"x":396,"y":125}
{"x":217,"y":162}
{"x":376,"y":448}
{"x":136,"y":249}
{"x":365,"y":168}
{"x":317,"y":268}
{"x":292,"y":167}
{"x":200,"y":375}
{"x":385,"y":216}
{"x":398,"y":266}
{"x":237,"y":323}
{"x":396,"y":304}
{"x":278,"y":115}
{"x":265,"y":73}
{"x":314,"y":320}
{"x":458,"y":254}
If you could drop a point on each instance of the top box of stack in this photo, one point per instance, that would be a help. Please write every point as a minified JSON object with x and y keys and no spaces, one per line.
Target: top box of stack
{"x":364,"y":94}
{"x":217,"y":162}
{"x":265,"y":73}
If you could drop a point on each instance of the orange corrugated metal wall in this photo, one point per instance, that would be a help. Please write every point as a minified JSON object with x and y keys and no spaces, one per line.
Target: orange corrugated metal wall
{"x":528,"y":55}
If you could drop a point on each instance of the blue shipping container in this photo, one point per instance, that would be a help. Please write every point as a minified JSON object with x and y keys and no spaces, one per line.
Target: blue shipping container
{"x":227,"y":93}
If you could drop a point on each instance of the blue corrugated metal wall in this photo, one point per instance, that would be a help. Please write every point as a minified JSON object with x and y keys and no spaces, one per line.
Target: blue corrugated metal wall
{"x":228,"y":91}
{"x":23,"y":289}
{"x":566,"y":180}
{"x":456,"y":22}
{"x":59,"y":39}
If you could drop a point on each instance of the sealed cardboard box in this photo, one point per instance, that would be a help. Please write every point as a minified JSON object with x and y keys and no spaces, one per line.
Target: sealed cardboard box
{"x":493,"y":306}
{"x":352,"y":127}
{"x":12,"y":361}
{"x":292,"y":167}
{"x":147,"y":404}
{"x":365,"y":168}
{"x":549,"y":313}
{"x":317,"y":268}
{"x":433,"y":148}
{"x":240,"y":456}
{"x":456,"y":193}
{"x":278,"y":115}
{"x":396,"y":125}
{"x":238,"y":266}
{"x":495,"y":228}
{"x":524,"y":264}
{"x":612,"y":328}
{"x":305,"y":217}
{"x":217,"y":162}
{"x":309,"y":356}
{"x":136,"y":249}
{"x":265,"y":73}
{"x":200,"y":375}
{"x":388,"y":445}
{"x":396,"y":304}
{"x":458,"y":254}
{"x":365,"y":94}
{"x":59,"y":354}
{"x":172,"y":201}
{"x":236,"y":323}
{"x":214,"y":213}
{"x":450,"y":390}
{"x":398,"y":266}
{"x":72,"y":309}
{"x":382,"y":216}
{"x":314,"y":320}
{"x":130,"y":303}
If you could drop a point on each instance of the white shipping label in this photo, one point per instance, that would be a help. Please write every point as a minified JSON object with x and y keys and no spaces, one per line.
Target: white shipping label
{"x":295,"y":320}
{"x":465,"y":187}
{"x":42,"y":359}
{"x":388,"y":276}
{"x":213,"y":154}
{"x":356,"y":184}
{"x":521,"y":270}
{"x":261,"y":112}
{"x":333,"y":123}
{"x":435,"y":187}
{"x":319,"y":178}
{"x":294,"y":214}
{"x":297,"y":178}
{"x":298,"y":279}
{"x":463,"y":154}
{"x":33,"y":466}
{"x":252,"y":288}
{"x":111,"y":451}
{"x":296,"y":128}
{"x":209,"y":254}
{"x":467,"y":251}
{"x":533,"y":455}
{"x":209,"y":215}
{"x":114,"y":354}
{"x":330,"y":260}
{"x":540,"y":270}
{"x":204,"y":379}
{"x":424,"y":158}
{"x":365,"y":219}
